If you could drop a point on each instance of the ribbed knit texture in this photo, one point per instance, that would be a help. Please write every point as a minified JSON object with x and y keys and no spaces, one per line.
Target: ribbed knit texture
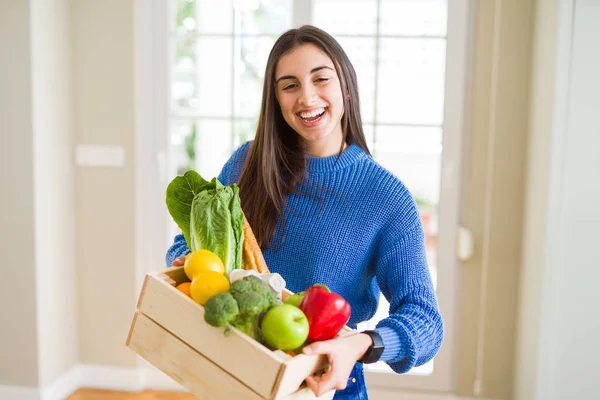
{"x":364,"y":238}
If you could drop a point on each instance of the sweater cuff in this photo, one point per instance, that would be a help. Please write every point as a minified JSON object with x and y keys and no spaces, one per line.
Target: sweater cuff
{"x":392,"y":347}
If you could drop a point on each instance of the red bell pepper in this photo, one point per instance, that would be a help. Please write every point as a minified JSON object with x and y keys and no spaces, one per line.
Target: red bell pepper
{"x":327,"y":313}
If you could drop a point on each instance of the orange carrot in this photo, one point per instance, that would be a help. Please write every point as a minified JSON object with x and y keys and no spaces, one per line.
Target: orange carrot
{"x":252,"y":257}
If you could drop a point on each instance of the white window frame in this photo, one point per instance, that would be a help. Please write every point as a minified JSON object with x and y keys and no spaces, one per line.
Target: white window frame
{"x":460,"y":26}
{"x":152,"y":72}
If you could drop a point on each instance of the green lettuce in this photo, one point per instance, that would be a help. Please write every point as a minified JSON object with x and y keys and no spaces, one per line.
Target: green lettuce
{"x":210,"y":216}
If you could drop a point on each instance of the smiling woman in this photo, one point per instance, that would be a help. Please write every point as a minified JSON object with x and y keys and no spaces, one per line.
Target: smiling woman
{"x":202,"y":111}
{"x":325,"y":212}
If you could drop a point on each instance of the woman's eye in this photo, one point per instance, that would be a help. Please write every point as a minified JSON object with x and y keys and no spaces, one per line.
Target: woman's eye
{"x":322,"y":79}
{"x":288,"y":87}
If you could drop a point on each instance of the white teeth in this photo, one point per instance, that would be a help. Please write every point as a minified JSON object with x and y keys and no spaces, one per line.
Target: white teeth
{"x":313,"y":113}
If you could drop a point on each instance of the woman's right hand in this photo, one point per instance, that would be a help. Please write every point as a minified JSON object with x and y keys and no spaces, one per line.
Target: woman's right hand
{"x":178,"y":262}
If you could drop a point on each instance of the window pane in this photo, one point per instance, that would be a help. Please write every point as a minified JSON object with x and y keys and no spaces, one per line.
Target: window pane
{"x":203,"y":16}
{"x":250,"y":63}
{"x":203,"y":146}
{"x":369,"y":130}
{"x":262,"y":17}
{"x":411,"y":81}
{"x":243,"y":130}
{"x":184,"y":85}
{"x":414,"y":155}
{"x":213,"y":147}
{"x":361,"y":52}
{"x":414,"y":17}
{"x":202,"y":77}
{"x":183,"y":147}
{"x":348,"y":17}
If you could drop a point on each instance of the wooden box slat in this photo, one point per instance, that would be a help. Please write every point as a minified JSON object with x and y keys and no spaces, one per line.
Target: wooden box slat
{"x":187,"y":367}
{"x":185,"y":319}
{"x":169,"y":316}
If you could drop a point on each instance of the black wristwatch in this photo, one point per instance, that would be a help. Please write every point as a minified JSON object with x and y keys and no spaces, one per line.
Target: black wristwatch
{"x":375,"y":350}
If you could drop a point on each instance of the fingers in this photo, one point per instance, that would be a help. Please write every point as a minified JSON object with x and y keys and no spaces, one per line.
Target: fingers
{"x":178,"y":262}
{"x":316,"y":348}
{"x":313,"y":384}
{"x":341,"y":362}
{"x":321,"y":384}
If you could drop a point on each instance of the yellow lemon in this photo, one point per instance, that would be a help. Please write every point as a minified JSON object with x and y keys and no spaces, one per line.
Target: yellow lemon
{"x":202,"y":260}
{"x":207,"y":284}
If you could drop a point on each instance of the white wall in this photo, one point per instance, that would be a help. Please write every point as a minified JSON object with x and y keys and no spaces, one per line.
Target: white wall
{"x":104,"y":114}
{"x":570,"y":320}
{"x":38,"y":338}
{"x":53,"y":190}
{"x":18,"y":335}
{"x":536,"y":204}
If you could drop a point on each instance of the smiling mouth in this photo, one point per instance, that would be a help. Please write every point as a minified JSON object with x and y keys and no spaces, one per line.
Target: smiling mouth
{"x":312,"y":116}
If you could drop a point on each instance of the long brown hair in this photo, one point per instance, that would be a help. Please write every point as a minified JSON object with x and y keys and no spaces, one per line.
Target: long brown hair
{"x":276,"y":161}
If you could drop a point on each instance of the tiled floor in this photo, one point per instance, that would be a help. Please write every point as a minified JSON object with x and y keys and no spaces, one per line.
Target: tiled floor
{"x":93,"y":394}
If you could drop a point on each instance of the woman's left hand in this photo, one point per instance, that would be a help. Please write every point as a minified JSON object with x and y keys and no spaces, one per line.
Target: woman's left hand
{"x":343,"y":352}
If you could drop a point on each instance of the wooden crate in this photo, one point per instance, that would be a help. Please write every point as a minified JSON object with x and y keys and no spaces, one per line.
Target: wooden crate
{"x":169,"y":331}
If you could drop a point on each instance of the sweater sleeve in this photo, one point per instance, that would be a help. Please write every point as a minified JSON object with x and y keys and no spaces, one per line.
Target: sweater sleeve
{"x":178,"y":248}
{"x":413,"y":332}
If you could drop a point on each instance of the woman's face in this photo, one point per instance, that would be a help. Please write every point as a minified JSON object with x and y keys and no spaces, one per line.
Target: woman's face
{"x":310,"y":96}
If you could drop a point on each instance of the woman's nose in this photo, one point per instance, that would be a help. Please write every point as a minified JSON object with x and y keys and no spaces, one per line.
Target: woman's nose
{"x":308,"y":96}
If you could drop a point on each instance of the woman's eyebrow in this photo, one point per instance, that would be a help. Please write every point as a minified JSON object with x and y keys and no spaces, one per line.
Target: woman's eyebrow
{"x":312,"y":71}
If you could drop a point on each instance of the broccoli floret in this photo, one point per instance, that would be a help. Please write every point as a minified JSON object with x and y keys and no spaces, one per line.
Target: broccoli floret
{"x":221,"y":309}
{"x":253,"y":284}
{"x":251,"y":303}
{"x":272,"y":299}
{"x":240,"y":286}
{"x":247,"y":324}
{"x":253,"y":297}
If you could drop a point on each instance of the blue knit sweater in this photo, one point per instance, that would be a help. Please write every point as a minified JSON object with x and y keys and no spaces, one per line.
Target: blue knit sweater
{"x":364,"y":239}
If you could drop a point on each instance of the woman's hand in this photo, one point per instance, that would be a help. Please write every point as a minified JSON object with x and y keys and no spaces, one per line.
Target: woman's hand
{"x":343,"y":352}
{"x":178,"y":262}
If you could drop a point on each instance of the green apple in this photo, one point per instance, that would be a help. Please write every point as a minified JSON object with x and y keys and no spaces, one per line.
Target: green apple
{"x":294,"y":299}
{"x":285,"y":327}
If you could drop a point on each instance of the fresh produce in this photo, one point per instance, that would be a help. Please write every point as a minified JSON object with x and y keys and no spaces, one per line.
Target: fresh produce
{"x":252,"y":257}
{"x":207,"y":284}
{"x":221,"y":310}
{"x":209,"y":215}
{"x":184,"y":288}
{"x":273,"y":280}
{"x":326,"y":312}
{"x":296,"y":298}
{"x":202,"y":260}
{"x":252,"y":297}
{"x":285,"y":327}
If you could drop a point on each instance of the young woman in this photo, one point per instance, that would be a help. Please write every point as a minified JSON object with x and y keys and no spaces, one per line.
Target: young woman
{"x":324,"y":211}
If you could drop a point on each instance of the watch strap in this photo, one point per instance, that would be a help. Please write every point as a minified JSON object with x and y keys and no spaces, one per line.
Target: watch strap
{"x":374,"y":351}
